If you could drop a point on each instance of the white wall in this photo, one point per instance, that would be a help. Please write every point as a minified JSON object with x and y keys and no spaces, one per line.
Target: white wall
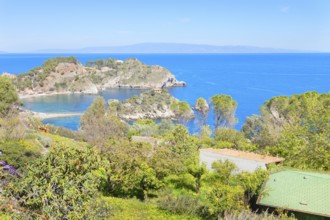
{"x":242,"y":164}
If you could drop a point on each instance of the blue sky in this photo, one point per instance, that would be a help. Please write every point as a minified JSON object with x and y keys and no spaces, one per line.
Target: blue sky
{"x":68,"y":24}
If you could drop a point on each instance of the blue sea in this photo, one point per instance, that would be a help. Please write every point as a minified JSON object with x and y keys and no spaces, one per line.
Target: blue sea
{"x":250,"y":79}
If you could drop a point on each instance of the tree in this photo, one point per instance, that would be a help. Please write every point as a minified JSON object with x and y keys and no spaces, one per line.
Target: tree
{"x":97,"y":126}
{"x":202,"y":109}
{"x":183,"y":145}
{"x":182,"y":111}
{"x":231,"y":138}
{"x":8,"y":95}
{"x":224,"y":108}
{"x":296,"y":128}
{"x":131,"y":173}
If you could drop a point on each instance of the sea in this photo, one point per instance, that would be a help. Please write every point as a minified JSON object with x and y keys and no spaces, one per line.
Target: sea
{"x":251,"y":79}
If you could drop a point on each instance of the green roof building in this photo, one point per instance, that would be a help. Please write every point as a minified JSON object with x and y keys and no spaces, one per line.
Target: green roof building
{"x":305,"y":194}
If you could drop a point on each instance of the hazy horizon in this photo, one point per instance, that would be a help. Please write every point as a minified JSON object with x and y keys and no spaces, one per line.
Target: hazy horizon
{"x":165,"y":47}
{"x":70,"y":25}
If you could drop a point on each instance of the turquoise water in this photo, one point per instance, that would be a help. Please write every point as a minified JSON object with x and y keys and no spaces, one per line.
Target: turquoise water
{"x":250,"y":79}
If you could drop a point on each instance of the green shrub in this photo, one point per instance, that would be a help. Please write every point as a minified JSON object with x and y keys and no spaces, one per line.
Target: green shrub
{"x":17,"y":154}
{"x":181,"y":204}
{"x":62,"y":185}
{"x":8,"y":95}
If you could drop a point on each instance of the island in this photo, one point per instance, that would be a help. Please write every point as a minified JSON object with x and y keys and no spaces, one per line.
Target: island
{"x":152,"y":104}
{"x":65,"y":75}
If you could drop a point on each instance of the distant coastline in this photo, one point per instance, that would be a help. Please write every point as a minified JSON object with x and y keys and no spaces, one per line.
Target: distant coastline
{"x":171,"y":48}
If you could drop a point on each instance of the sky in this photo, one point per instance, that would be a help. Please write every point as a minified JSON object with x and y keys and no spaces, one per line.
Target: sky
{"x":27,"y":25}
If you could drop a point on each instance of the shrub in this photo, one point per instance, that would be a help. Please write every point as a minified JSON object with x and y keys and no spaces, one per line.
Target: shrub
{"x":61,"y":185}
{"x":8,"y":95}
{"x":17,"y":154}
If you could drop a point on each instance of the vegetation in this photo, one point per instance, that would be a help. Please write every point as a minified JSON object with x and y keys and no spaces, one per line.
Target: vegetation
{"x":181,"y":110}
{"x":18,"y":153}
{"x":296,"y":128}
{"x":8,"y":95}
{"x":111,"y":63}
{"x":135,"y":209}
{"x":224,"y":108}
{"x":202,"y":109}
{"x":66,"y":74}
{"x":151,"y":104}
{"x":35,"y":77}
{"x":97,"y":125}
{"x":149,"y":170}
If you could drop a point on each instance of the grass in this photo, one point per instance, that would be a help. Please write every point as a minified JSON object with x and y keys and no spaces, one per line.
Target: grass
{"x":135,"y":209}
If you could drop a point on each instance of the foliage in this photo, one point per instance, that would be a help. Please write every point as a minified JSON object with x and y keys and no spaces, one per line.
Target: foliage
{"x":206,"y":132}
{"x":143,"y":127}
{"x":231,"y":138}
{"x":36,"y":76}
{"x":148,"y":127}
{"x":8,"y":95}
{"x":183,"y":204}
{"x":248,"y":215}
{"x":202,"y":109}
{"x":13,"y":127}
{"x":227,"y":191}
{"x":61,"y":185}
{"x":135,"y":209}
{"x":152,"y":105}
{"x":201,"y":105}
{"x":64,"y":132}
{"x":296,"y":128}
{"x":97,"y":126}
{"x":224,"y":108}
{"x":131,"y":173}
{"x":17,"y":153}
{"x":101,"y":63}
{"x":183,"y":145}
{"x":181,"y":110}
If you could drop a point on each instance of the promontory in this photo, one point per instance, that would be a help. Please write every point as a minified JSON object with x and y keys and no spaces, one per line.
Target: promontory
{"x":64,"y":75}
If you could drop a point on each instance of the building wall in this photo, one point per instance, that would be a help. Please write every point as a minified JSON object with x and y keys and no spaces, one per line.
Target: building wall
{"x":242,"y":164}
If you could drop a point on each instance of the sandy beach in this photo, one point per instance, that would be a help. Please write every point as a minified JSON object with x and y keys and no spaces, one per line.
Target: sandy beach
{"x":26,"y":96}
{"x":44,"y":115}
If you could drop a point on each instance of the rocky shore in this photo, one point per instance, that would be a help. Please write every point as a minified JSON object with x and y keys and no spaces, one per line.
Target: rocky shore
{"x":65,"y":75}
{"x":153,"y":104}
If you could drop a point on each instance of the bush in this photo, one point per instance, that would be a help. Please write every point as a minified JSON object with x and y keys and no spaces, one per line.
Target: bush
{"x":61,"y":185}
{"x":8,"y":95}
{"x":181,"y":204}
{"x":17,"y":154}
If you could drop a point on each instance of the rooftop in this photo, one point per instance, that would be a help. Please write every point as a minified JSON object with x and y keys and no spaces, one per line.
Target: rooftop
{"x":245,"y":155}
{"x":304,"y":192}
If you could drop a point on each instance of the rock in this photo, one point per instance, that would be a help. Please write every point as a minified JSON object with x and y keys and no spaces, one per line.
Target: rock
{"x":67,"y":75}
{"x":9,"y":75}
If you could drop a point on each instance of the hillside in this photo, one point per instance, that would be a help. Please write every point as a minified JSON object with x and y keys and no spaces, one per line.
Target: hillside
{"x":63,"y":75}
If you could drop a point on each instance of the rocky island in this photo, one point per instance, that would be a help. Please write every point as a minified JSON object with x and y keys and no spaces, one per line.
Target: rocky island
{"x":65,"y":75}
{"x":153,"y":104}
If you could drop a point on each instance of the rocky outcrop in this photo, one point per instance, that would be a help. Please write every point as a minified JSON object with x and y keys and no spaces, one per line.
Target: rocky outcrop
{"x":9,"y":75}
{"x":152,"y":104}
{"x":67,"y":75}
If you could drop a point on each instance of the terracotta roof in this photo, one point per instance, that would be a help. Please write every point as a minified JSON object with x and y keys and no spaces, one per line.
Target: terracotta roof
{"x":245,"y":155}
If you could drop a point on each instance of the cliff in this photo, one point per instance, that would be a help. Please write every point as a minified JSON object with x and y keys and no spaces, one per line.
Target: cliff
{"x":66,"y":75}
{"x":152,"y":104}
